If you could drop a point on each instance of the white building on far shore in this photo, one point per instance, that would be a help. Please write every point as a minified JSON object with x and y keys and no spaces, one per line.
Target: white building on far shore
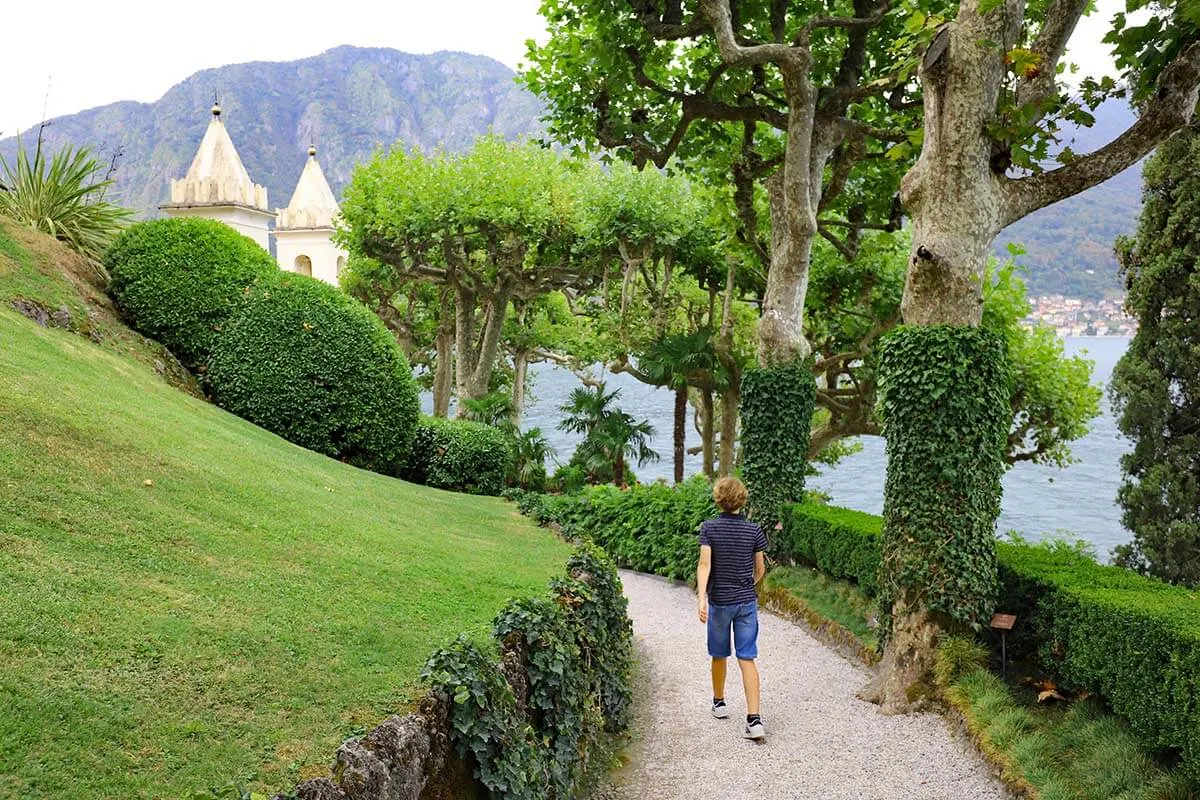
{"x":217,"y":186}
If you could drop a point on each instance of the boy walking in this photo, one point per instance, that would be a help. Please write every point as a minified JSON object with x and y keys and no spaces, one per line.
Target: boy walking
{"x":731,"y":565}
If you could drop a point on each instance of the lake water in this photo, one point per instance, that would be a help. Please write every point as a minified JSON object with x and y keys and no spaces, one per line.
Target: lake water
{"x":1080,"y":499}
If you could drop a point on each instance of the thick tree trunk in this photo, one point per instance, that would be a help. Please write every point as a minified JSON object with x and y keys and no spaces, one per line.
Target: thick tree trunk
{"x":443,"y":376}
{"x":707,"y":430}
{"x":680,"y":438}
{"x":464,"y":344}
{"x":729,"y":419}
{"x":955,"y":197}
{"x":477,"y":359}
{"x":781,"y":328}
{"x":619,"y":469}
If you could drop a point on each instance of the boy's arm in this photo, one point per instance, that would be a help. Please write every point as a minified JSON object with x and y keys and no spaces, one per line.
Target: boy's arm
{"x":760,"y":566}
{"x":702,"y":571}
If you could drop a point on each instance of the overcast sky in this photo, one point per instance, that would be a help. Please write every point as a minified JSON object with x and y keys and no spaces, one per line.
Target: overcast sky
{"x":68,"y":55}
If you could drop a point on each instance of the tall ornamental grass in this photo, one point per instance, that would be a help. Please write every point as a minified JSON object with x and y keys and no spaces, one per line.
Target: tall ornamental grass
{"x":62,"y":196}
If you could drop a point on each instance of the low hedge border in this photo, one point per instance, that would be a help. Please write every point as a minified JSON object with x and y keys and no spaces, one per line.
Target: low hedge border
{"x":1134,"y":641}
{"x":522,"y":718}
{"x":838,"y":541}
{"x":647,"y":527}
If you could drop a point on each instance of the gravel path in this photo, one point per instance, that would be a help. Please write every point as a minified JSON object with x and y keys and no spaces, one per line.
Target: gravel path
{"x":822,"y":742}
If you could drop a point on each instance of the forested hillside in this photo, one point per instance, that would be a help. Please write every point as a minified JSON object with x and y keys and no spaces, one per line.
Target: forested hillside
{"x":1071,"y":244}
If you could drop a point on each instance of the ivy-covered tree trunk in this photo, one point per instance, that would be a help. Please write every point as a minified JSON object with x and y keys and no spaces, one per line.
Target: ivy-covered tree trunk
{"x":777,"y":406}
{"x":680,"y":432}
{"x":945,"y":404}
{"x":942,"y":493}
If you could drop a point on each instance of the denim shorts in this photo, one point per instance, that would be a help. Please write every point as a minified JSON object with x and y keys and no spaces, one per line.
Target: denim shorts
{"x":742,"y":618}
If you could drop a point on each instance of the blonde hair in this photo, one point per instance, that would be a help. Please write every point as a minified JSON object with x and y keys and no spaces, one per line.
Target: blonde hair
{"x":730,"y":495}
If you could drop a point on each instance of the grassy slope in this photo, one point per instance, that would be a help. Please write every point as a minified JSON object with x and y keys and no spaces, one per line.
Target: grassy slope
{"x":186,"y":598}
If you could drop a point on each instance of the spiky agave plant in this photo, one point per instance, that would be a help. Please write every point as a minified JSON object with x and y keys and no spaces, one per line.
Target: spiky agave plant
{"x":62,"y":197}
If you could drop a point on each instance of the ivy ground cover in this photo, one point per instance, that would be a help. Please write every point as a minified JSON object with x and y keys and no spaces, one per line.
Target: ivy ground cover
{"x":187,"y":599}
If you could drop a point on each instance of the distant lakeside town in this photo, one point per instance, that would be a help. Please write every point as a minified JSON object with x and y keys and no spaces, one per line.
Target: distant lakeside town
{"x":1071,"y":316}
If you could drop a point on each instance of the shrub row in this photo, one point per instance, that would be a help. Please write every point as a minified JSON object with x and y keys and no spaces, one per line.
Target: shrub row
{"x":647,"y":527}
{"x":837,"y":541}
{"x":287,"y":352}
{"x":459,"y":455}
{"x":1135,"y":641}
{"x":527,"y":719}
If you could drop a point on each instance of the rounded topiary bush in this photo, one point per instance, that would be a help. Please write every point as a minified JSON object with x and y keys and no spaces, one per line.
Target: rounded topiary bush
{"x":305,"y":360}
{"x":180,"y":280}
{"x":459,"y":455}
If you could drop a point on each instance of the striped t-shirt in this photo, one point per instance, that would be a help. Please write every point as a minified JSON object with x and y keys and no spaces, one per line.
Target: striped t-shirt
{"x":734,"y":541}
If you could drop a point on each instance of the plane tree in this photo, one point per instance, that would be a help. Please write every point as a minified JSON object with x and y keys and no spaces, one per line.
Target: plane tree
{"x":493,"y":226}
{"x":994,"y":98}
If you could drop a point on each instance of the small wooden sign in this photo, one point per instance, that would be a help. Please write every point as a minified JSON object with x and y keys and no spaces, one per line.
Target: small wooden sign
{"x":1003,"y":622}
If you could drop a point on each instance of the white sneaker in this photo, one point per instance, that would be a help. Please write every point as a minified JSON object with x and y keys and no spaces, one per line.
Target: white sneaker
{"x":755,"y":731}
{"x":720,"y":710}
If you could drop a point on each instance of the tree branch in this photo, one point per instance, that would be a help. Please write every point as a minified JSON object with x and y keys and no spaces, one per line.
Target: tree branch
{"x":720,"y":18}
{"x":1170,"y":109}
{"x":1050,"y":45}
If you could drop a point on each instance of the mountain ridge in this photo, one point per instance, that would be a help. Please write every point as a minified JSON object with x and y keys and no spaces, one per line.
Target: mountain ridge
{"x":350,"y":101}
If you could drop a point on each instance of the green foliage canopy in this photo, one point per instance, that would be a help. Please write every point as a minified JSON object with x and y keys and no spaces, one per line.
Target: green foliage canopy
{"x":851,"y":305}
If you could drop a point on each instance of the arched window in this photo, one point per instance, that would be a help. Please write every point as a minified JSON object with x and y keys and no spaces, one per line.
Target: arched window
{"x":341,"y":265}
{"x":303,"y":265}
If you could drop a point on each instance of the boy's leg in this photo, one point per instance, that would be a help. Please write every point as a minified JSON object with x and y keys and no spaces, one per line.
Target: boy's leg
{"x":750,"y":682}
{"x":720,"y":647}
{"x":745,"y":639}
{"x":718,"y":677}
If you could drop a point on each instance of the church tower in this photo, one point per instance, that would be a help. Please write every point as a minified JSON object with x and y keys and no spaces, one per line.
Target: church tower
{"x":304,"y":230}
{"x":218,"y":187}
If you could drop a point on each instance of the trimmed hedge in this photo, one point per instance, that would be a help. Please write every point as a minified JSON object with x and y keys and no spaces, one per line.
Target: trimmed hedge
{"x":838,"y":541}
{"x":570,"y":656}
{"x":308,"y":362}
{"x":180,"y":280}
{"x":647,"y":527}
{"x":1135,"y":641}
{"x":459,"y":455}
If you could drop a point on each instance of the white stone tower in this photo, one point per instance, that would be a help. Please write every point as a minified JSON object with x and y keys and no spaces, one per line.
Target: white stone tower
{"x":304,"y":230}
{"x":218,"y":187}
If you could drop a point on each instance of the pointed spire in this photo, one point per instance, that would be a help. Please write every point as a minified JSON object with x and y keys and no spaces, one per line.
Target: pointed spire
{"x":313,"y":204}
{"x":217,"y":175}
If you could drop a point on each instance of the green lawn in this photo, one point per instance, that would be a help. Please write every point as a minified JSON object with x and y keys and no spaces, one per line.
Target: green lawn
{"x":187,"y":599}
{"x":839,"y":601}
